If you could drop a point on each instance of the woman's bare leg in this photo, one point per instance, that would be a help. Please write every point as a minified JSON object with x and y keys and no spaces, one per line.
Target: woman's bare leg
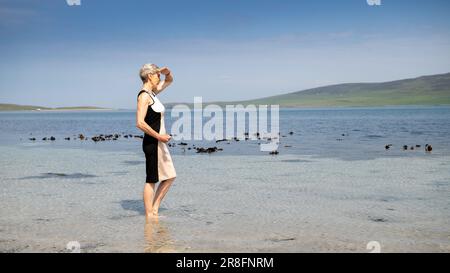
{"x":163,"y":188}
{"x":149,"y":190}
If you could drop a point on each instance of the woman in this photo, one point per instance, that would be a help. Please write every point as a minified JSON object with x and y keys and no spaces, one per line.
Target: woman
{"x":150,"y":119}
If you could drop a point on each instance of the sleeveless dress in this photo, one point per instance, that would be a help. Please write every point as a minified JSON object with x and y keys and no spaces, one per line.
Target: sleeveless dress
{"x":158,"y":162}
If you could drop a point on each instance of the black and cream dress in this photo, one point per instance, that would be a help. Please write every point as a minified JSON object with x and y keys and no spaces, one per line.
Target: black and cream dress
{"x":159,"y":165}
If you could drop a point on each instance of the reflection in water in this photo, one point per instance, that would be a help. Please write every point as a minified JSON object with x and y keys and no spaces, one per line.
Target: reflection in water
{"x":157,"y":237}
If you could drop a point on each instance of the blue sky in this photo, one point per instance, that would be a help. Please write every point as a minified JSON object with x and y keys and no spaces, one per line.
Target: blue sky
{"x":53,"y":54}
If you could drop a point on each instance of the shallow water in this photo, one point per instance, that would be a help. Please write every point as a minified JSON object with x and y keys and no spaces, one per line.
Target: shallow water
{"x":298,"y":201}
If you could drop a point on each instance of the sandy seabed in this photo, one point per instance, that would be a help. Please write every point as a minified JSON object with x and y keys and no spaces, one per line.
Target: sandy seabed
{"x":284,"y":203}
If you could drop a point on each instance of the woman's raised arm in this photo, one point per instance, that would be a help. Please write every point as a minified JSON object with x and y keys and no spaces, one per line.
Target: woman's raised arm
{"x":168,"y":79}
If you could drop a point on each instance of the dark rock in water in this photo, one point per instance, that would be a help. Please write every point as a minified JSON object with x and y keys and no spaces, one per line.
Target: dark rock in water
{"x":81,"y":136}
{"x":67,"y":138}
{"x":418,"y":146}
{"x":387,"y":147}
{"x":43,"y":220}
{"x":339,"y":139}
{"x":183,"y":144}
{"x":98,"y":138}
{"x":412,"y":148}
{"x":287,"y":146}
{"x":59,"y":175}
{"x":291,"y":133}
{"x":208,"y":150}
{"x":33,"y":139}
{"x":279,"y":240}
{"x":296,"y":161}
{"x":378,"y":220}
{"x":405,"y":147}
{"x":189,"y":148}
{"x":136,"y":136}
{"x":132,"y":162}
{"x":44,"y":139}
{"x":125,"y":136}
{"x":52,"y":138}
{"x":221,"y":140}
{"x":428,"y":148}
{"x":274,"y":152}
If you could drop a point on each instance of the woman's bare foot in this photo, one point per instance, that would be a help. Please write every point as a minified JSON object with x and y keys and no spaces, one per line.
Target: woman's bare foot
{"x":151,"y":220}
{"x":155,"y":212}
{"x":151,"y":216}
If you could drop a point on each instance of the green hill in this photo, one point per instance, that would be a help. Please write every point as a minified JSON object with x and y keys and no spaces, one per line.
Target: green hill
{"x":16,"y":107}
{"x":426,"y":90}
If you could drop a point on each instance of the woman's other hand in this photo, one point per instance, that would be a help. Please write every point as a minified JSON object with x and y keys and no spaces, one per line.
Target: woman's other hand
{"x":164,"y":138}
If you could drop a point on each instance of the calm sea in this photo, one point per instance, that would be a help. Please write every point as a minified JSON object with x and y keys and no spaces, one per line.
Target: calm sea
{"x":346,"y":133}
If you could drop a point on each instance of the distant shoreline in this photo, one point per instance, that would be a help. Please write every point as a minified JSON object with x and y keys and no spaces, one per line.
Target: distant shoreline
{"x":33,"y":108}
{"x":72,"y":109}
{"x":222,"y":104}
{"x":56,"y":110}
{"x":190,"y":105}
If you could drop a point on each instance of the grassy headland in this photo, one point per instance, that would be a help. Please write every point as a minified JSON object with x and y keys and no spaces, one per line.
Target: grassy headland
{"x":17,"y":107}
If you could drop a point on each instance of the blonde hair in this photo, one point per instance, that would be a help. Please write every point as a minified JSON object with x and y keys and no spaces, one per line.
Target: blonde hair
{"x":146,"y":70}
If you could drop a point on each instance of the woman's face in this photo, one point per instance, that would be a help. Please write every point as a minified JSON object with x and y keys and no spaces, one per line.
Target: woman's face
{"x":155,"y":78}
